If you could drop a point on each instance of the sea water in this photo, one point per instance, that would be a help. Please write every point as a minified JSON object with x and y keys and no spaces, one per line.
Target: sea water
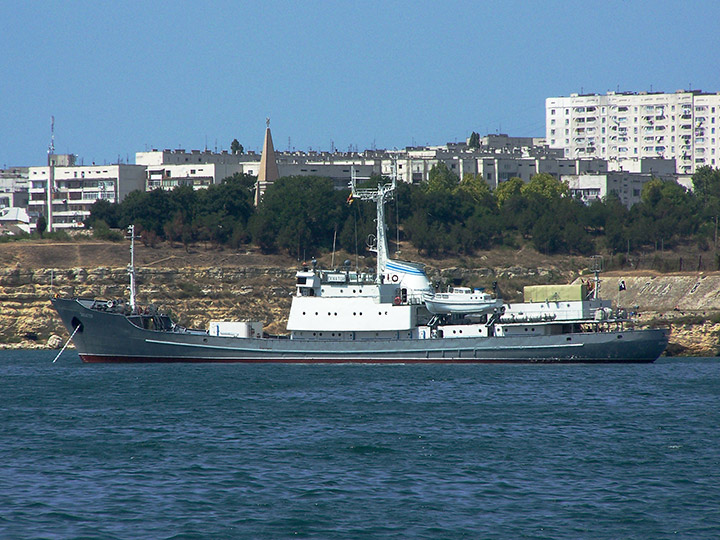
{"x":358,"y":451}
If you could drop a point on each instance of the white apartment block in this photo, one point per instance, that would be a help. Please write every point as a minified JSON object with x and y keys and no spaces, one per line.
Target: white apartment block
{"x":591,"y":187}
{"x":170,"y":168}
{"x":14,"y":187}
{"x":628,"y":126}
{"x":197,"y":176}
{"x":76,"y":188}
{"x":181,"y":157}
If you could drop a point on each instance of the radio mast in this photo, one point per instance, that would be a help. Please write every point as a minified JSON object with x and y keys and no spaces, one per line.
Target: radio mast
{"x":51,"y":175}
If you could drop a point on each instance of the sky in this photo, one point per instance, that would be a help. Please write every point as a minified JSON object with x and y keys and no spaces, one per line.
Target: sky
{"x":123,"y":77}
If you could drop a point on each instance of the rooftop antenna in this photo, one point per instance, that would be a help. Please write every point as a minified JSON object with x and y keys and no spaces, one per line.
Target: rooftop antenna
{"x":51,"y":148}
{"x":51,"y":174}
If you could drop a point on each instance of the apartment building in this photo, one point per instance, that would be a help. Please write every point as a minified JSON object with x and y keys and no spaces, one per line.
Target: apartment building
{"x":621,"y":126}
{"x":75,"y":188}
{"x":14,"y":187}
{"x":591,"y":187}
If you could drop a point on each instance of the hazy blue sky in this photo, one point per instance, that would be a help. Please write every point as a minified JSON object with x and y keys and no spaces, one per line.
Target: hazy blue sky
{"x":122,"y":77}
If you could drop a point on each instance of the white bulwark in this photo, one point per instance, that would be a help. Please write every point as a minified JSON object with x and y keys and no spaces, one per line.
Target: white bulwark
{"x":630,"y":126}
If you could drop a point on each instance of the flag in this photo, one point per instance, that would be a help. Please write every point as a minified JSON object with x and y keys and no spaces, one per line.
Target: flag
{"x":621,"y":285}
{"x":350,"y":199}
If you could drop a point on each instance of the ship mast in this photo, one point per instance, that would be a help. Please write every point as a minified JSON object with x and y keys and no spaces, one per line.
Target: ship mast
{"x":596,"y":266}
{"x":379,"y":195}
{"x":131,"y":267}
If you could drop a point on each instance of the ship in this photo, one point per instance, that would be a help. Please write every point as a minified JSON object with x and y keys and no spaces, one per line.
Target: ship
{"x":392,"y":314}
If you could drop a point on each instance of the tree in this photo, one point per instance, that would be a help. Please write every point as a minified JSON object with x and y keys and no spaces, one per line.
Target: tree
{"x":546,"y":186}
{"x":706,"y":186}
{"x":474,"y":140}
{"x":41,"y":225}
{"x":474,"y":187}
{"x":299,"y":214}
{"x":666,"y":211}
{"x":236,"y":147}
{"x":508,"y":190}
{"x":441,"y":178}
{"x":103,"y":210}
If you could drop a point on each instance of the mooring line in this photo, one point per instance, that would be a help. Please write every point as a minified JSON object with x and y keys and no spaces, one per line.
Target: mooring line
{"x":67,"y":343}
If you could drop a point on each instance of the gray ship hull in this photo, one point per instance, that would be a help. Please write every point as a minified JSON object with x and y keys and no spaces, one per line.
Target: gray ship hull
{"x":102,"y":336}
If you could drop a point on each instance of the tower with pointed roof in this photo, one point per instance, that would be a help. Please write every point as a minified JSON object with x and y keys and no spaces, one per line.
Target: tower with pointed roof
{"x":268,"y":172}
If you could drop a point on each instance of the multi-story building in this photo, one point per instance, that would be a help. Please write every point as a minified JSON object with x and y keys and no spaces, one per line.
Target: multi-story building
{"x":14,"y":187}
{"x":627,"y":126}
{"x":76,"y":188}
{"x":591,"y":187}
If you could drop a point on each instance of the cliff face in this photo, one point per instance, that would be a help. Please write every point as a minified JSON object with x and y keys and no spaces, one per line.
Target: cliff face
{"x":195,"y":296}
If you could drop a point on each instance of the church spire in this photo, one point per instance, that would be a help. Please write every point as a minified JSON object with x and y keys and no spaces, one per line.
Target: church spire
{"x":268,"y":172}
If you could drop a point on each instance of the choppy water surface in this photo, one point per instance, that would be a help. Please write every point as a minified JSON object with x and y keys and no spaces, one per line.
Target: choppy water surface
{"x":274,"y":451}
